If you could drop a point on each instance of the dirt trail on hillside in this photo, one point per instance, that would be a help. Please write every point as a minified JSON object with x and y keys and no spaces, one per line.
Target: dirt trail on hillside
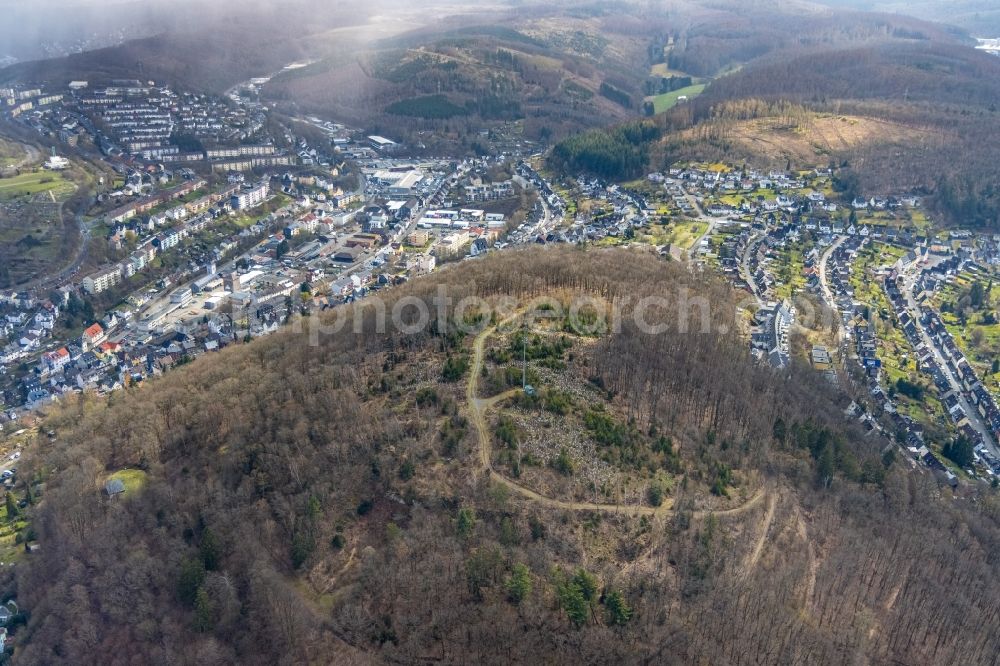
{"x":476,"y":408}
{"x":813,"y":562}
{"x":751,"y":561}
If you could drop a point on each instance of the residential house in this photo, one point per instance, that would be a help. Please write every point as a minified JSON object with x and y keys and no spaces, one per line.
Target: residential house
{"x":92,"y":336}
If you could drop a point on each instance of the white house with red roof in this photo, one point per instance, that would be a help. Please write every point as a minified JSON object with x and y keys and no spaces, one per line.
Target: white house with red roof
{"x":92,"y":336}
{"x":55,"y":361}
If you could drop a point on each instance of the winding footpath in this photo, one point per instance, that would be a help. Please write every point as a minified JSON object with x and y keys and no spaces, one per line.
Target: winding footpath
{"x":477,"y":408}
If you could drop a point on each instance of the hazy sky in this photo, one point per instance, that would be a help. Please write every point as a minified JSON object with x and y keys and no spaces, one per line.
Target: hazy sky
{"x":36,"y":28}
{"x":31,"y":29}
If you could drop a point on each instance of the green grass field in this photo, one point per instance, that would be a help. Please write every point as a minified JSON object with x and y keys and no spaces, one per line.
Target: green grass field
{"x":10,"y":550}
{"x":789,"y":271}
{"x":244,"y":220}
{"x":663,"y":69}
{"x":669,"y":100}
{"x":134,"y":479}
{"x":681,"y":234}
{"x":33,"y":183}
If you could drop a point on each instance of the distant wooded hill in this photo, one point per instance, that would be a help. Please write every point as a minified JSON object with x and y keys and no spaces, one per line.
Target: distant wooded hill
{"x":942,"y":99}
{"x":930,"y":100}
{"x":979,"y":17}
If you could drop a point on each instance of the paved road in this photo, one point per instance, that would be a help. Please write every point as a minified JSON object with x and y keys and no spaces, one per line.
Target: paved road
{"x":909,"y":277}
{"x":712,"y":223}
{"x":745,"y":265}
{"x":828,"y":293}
{"x":700,"y":217}
{"x":543,"y":224}
{"x":824,"y":260}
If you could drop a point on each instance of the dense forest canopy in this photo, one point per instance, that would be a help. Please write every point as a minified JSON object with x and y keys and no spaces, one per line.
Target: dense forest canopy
{"x":326,"y":504}
{"x":619,"y":152}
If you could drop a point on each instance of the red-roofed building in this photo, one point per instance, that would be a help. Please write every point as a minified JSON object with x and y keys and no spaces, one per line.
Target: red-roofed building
{"x":93,"y":336}
{"x":56,"y":360}
{"x":108,"y":347}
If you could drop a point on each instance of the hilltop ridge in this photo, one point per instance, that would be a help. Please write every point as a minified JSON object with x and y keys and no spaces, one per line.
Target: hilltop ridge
{"x":338,"y":497}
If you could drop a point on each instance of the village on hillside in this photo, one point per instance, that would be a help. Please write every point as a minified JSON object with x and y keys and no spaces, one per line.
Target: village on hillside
{"x":218,"y":225}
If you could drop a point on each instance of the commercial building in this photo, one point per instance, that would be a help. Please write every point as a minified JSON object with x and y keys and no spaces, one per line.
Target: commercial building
{"x":181,"y":296}
{"x":381,"y":143}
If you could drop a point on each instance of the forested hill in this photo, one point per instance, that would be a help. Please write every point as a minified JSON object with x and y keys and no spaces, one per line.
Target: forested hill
{"x":618,"y":153}
{"x":950,"y":76}
{"x":947,"y":95}
{"x":941,"y":95}
{"x":736,"y":33}
{"x":979,"y":17}
{"x":389,"y":498}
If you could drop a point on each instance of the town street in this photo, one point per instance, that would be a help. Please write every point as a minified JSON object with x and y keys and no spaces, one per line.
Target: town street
{"x":828,"y":293}
{"x":911,"y":271}
{"x":748,"y":251}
